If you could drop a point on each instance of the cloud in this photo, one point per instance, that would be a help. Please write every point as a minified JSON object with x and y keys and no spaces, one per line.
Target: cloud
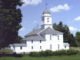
{"x":77,"y":18}
{"x":71,"y":28}
{"x":60,"y":7}
{"x":31,"y":2}
{"x":22,"y":29}
{"x":34,"y":22}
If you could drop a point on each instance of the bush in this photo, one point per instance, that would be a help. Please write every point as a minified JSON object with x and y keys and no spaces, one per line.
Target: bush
{"x":35,"y":54}
{"x":46,"y":53}
{"x":72,"y":52}
{"x":17,"y":55}
{"x":55,"y":53}
{"x":10,"y":55}
{"x":60,"y":53}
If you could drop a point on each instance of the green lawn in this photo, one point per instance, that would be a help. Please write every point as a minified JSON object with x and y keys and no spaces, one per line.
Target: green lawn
{"x":75,"y":57}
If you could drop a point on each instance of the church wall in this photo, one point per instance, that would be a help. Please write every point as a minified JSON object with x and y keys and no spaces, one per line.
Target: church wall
{"x":47,"y":20}
{"x":19,"y":49}
{"x":51,"y":43}
{"x":46,"y":26}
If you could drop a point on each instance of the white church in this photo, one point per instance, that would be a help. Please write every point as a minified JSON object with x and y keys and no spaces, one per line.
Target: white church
{"x":44,"y":38}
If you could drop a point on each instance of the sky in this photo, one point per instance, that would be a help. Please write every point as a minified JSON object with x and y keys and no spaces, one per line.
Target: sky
{"x":67,"y":11}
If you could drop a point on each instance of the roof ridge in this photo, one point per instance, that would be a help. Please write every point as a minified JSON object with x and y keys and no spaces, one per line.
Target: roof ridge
{"x":40,"y":31}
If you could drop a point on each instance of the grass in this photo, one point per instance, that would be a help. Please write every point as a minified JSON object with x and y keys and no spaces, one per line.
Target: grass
{"x":74,"y":57}
{"x":75,"y":48}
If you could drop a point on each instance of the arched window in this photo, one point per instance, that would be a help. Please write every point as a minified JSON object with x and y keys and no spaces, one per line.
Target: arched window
{"x":47,"y":19}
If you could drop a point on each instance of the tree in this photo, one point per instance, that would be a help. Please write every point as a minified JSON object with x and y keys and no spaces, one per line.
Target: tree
{"x":68,"y":37}
{"x":77,"y":37}
{"x":10,"y":19}
{"x":19,"y":39}
{"x":72,"y":40}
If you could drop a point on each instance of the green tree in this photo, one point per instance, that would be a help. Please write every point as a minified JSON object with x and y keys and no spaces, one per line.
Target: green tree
{"x":68,"y":37}
{"x":77,"y":37}
{"x":10,"y":19}
{"x":19,"y":39}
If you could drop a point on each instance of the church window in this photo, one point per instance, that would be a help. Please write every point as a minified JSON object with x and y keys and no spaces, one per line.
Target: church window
{"x":65,"y":46}
{"x":47,"y":19}
{"x":40,"y":41}
{"x":50,"y":37}
{"x":58,"y":37}
{"x":32,"y":41}
{"x":58,"y":46}
{"x":20,"y":47}
{"x":50,"y":46}
{"x":14,"y":47}
{"x":32,"y":47}
{"x":40,"y":47}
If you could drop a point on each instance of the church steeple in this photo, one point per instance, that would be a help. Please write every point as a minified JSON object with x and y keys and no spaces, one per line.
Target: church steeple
{"x":47,"y":19}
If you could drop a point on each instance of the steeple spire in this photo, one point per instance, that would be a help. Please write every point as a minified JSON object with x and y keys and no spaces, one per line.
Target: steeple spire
{"x":46,"y":5}
{"x":46,"y":18}
{"x":46,"y":9}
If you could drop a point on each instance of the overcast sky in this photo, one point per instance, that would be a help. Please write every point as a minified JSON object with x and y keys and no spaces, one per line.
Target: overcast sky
{"x":67,"y":11}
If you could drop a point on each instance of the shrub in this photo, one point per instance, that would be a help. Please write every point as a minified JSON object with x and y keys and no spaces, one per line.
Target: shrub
{"x":46,"y":53}
{"x":17,"y":55}
{"x":60,"y":53}
{"x":72,"y":52}
{"x":54,"y":53}
{"x":10,"y":55}
{"x":35,"y":54}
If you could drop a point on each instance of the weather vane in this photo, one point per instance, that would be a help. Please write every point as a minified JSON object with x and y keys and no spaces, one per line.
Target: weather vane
{"x":46,"y":5}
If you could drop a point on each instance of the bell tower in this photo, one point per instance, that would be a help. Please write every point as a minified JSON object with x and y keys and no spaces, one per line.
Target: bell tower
{"x":46,"y":19}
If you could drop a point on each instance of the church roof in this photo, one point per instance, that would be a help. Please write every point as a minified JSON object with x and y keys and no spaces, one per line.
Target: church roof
{"x":46,"y":31}
{"x":66,"y":44}
{"x":46,"y":12}
{"x":34,"y":37}
{"x":38,"y":34}
{"x":33,"y":32}
{"x":18,"y":45}
{"x":51,"y":31}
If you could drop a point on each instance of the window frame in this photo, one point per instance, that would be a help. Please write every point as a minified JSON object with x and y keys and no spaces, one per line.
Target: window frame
{"x":31,"y":47}
{"x":40,"y":47}
{"x":31,"y":41}
{"x":50,"y":37}
{"x":58,"y":37}
{"x":40,"y":41}
{"x":48,"y":19}
{"x":20,"y":47}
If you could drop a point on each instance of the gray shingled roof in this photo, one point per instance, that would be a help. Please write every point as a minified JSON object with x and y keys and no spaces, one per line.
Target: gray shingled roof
{"x":44,"y":31}
{"x":18,"y":45}
{"x":39,"y":34}
{"x":66,"y":44}
{"x":34,"y":32}
{"x":46,"y":12}
{"x":34,"y":37}
{"x":51,"y":31}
